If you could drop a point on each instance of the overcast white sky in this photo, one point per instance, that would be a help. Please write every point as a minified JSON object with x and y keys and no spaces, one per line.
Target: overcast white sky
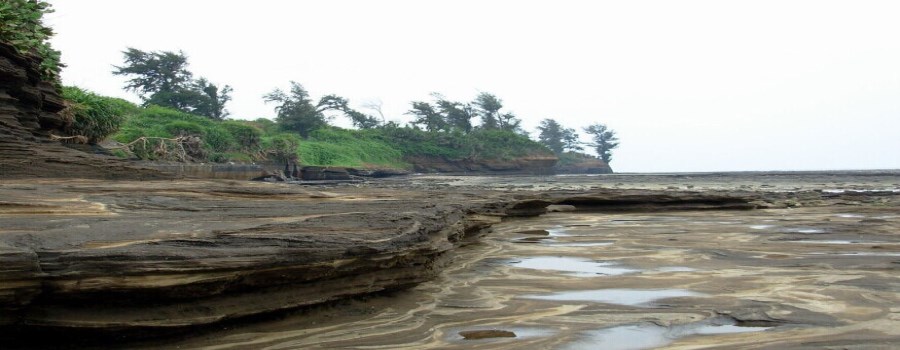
{"x":688,"y":85}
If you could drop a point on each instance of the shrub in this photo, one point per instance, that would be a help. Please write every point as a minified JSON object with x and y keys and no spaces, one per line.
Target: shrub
{"x":93,"y":116}
{"x":268,"y":126}
{"x":218,"y":139}
{"x":281,"y":147}
{"x":21,"y":26}
{"x":246,"y":136}
{"x":183,"y":128}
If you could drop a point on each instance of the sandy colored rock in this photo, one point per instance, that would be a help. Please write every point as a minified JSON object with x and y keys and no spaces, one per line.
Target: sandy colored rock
{"x":151,"y":255}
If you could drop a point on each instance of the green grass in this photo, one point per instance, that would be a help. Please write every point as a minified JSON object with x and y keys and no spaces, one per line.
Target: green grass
{"x":349,"y":148}
{"x":261,"y":139}
{"x":481,"y":144}
{"x":93,"y":116}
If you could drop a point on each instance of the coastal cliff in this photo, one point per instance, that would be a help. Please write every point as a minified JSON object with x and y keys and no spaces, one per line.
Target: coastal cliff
{"x":533,"y":165}
{"x":30,"y":117}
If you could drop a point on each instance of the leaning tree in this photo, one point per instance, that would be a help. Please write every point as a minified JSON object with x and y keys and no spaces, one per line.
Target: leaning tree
{"x":603,"y":139}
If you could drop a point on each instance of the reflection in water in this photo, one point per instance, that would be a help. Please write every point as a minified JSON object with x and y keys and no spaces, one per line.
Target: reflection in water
{"x":837,"y":241}
{"x":788,"y":229}
{"x":575,"y":266}
{"x":675,"y":269}
{"x":630,"y":297}
{"x":648,"y":335}
{"x":582,"y":244}
{"x":521,"y":333}
{"x":805,"y":230}
{"x":485,"y":287}
{"x":858,"y":254}
{"x":631,"y":337}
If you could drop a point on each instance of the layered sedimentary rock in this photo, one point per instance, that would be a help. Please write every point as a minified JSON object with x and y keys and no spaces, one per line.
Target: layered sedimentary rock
{"x":584,"y":165}
{"x":532,"y":165}
{"x":29,"y":115}
{"x":162,"y":254}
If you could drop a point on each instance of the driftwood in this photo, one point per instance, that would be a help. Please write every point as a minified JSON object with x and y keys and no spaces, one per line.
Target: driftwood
{"x":165,"y":148}
{"x":76,"y":138}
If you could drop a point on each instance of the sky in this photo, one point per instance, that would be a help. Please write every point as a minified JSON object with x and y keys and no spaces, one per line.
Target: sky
{"x":687,"y":85}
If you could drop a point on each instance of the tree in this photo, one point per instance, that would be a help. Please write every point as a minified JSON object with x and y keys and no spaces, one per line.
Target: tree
{"x":556,"y":137}
{"x":604,"y":140}
{"x":154,"y":72}
{"x":162,"y":78}
{"x":456,"y":114}
{"x":212,"y":104}
{"x":509,"y":122}
{"x":443,"y":115}
{"x":359,"y":119}
{"x":295,"y":111}
{"x":488,"y":107}
{"x":376,"y":106}
{"x":427,"y":117}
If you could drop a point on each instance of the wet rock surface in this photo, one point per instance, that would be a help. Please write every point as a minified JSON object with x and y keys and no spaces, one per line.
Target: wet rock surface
{"x":487,"y":334}
{"x":91,"y":255}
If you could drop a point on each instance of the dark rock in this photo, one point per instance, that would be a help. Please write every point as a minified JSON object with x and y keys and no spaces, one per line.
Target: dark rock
{"x":584,"y":165}
{"x":535,"y":232}
{"x":532,"y":165}
{"x":29,"y":116}
{"x":269,"y":178}
{"x":487,"y":334}
{"x":377,"y":173}
{"x":313,"y":173}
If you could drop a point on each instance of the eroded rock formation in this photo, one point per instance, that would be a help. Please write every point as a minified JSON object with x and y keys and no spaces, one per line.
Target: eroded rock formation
{"x":163,"y":254}
{"x":531,"y":165}
{"x":29,"y":115}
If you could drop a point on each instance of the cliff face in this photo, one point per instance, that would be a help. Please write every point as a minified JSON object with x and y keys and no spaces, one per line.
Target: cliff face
{"x":535,"y":165}
{"x":585,"y":165}
{"x":28,"y":106}
{"x":29,"y":115}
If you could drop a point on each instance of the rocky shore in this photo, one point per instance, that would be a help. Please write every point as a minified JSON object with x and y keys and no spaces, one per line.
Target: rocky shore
{"x":156,"y":255}
{"x":89,"y":254}
{"x":96,"y":250}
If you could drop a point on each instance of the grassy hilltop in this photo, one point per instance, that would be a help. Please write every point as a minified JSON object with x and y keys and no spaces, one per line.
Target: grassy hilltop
{"x":159,"y":133}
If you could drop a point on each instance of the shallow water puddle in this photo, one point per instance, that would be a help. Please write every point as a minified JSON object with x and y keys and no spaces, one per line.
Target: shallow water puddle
{"x":531,"y":239}
{"x":551,"y":237}
{"x":787,"y":229}
{"x":842,"y":190}
{"x":837,"y":241}
{"x":579,"y":244}
{"x":574,"y":266}
{"x":456,"y":334}
{"x":648,"y":335}
{"x":559,"y":232}
{"x":859,"y":254}
{"x":629,"y":297}
{"x":804,"y":230}
{"x":675,"y":269}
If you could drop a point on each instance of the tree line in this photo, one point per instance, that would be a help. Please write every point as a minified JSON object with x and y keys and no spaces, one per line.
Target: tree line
{"x":162,"y":78}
